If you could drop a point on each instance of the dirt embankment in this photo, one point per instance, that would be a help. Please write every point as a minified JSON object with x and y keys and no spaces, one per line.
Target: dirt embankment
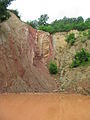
{"x":44,"y":107}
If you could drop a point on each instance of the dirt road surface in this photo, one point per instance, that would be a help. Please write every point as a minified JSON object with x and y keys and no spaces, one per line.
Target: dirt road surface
{"x":44,"y":107}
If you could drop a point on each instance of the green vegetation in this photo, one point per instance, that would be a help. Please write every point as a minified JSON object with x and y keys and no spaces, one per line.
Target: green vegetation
{"x":89,"y":34}
{"x":71,"y":38}
{"x":62,"y":25}
{"x":53,"y":68}
{"x":4,"y":15}
{"x":46,"y":28}
{"x":81,"y":58}
{"x":33,"y":23}
{"x":84,"y":36}
{"x":42,"y":21}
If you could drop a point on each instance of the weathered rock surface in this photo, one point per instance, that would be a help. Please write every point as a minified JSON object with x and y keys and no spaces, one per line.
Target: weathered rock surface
{"x":24,"y":52}
{"x":21,"y":61}
{"x":59,"y":44}
{"x":72,"y":79}
{"x":45,"y":45}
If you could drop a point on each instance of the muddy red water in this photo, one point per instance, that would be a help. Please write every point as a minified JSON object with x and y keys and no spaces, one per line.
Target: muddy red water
{"x":44,"y":107}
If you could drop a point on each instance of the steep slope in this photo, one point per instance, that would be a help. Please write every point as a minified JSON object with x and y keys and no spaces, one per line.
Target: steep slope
{"x":75,"y":80}
{"x":21,"y":64}
{"x":45,"y":45}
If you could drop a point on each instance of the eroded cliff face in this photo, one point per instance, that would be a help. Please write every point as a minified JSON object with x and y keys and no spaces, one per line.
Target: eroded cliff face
{"x":76,"y":80}
{"x":21,"y":63}
{"x":45,"y":45}
{"x":59,"y":44}
{"x":24,"y":53}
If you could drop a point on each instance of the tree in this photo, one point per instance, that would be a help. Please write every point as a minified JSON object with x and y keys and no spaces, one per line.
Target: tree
{"x":61,"y":25}
{"x":80,"y":19}
{"x":81,"y":26}
{"x":88,"y":23}
{"x":43,"y":19}
{"x":88,"y":20}
{"x":4,"y":15}
{"x":33,"y":23}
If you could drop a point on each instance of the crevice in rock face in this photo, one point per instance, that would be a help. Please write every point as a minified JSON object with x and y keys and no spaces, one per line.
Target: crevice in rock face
{"x":45,"y":44}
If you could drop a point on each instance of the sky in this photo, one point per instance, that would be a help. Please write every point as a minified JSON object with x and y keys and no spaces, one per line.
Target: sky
{"x":56,"y":9}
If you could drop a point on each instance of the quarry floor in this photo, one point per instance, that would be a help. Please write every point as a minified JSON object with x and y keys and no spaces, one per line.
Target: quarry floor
{"x":44,"y":107}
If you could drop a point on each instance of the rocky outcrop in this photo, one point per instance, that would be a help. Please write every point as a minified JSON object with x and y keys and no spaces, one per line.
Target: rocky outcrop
{"x":59,"y":44}
{"x":24,"y":52}
{"x":72,"y":79}
{"x":21,"y":62}
{"x":45,"y":45}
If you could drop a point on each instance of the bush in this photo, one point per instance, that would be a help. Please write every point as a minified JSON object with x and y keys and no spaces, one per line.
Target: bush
{"x":84,"y":33}
{"x":81,"y":58}
{"x":89,"y":34}
{"x":71,"y":38}
{"x":53,"y":68}
{"x":47,"y":28}
{"x":83,"y":36}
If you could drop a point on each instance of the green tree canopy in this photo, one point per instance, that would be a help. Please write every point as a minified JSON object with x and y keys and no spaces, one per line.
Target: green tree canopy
{"x":4,"y":15}
{"x":33,"y":23}
{"x":62,"y":25}
{"x":80,"y":19}
{"x":43,"y":19}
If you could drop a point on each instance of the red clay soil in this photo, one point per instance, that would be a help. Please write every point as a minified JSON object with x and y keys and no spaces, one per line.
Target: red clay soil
{"x":44,"y":107}
{"x":21,"y":66}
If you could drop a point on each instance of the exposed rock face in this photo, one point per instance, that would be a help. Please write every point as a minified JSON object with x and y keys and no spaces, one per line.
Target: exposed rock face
{"x":59,"y":44}
{"x":24,"y":52}
{"x":21,"y":63}
{"x":73,"y":79}
{"x":45,"y":45}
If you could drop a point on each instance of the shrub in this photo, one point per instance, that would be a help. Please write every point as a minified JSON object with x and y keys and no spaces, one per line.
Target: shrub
{"x":47,"y":28}
{"x":71,"y":38}
{"x":89,"y":34}
{"x":53,"y":68}
{"x":84,"y":33}
{"x":81,"y":58}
